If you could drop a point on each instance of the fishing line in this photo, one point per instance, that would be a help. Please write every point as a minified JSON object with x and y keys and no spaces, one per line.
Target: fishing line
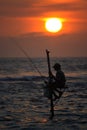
{"x":34,"y":66}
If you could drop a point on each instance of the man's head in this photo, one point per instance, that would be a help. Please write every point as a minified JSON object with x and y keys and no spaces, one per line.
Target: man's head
{"x":57,"y":66}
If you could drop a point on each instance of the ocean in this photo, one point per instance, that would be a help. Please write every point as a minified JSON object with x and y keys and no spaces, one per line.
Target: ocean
{"x":23,"y":105}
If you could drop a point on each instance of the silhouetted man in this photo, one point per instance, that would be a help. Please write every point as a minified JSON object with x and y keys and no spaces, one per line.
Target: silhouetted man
{"x":59,"y":81}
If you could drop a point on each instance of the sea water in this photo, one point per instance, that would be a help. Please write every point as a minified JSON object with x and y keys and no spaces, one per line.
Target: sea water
{"x":23,"y":105}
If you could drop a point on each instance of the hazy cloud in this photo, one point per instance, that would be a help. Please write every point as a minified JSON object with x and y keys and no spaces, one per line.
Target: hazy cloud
{"x":36,"y":43}
{"x":65,"y":7}
{"x":37,"y":7}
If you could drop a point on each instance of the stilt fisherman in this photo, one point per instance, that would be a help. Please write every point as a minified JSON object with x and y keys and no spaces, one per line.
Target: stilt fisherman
{"x":59,"y":81}
{"x":54,"y":85}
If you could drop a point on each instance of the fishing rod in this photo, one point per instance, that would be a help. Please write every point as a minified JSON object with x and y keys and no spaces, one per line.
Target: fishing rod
{"x":34,"y":66}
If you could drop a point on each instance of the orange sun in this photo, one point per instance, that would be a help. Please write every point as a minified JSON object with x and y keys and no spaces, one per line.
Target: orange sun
{"x":53,"y":25}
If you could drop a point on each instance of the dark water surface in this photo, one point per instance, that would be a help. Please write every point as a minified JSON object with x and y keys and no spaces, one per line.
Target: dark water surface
{"x":23,"y":105}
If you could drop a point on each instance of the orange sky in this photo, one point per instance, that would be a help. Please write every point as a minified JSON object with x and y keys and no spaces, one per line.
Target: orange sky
{"x":24,"y":21}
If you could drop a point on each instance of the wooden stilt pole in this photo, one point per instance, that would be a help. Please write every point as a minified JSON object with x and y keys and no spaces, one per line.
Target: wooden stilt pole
{"x":50,"y":81}
{"x":52,"y":108}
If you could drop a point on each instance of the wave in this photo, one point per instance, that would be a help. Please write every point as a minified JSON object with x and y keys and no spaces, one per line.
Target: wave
{"x":37,"y":77}
{"x":22,"y":78}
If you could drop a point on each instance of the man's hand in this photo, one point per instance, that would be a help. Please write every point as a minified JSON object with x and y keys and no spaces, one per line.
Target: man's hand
{"x":51,"y":75}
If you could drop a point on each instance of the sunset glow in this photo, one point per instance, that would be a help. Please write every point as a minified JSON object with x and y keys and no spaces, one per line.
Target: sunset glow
{"x":53,"y":25}
{"x":58,"y":25}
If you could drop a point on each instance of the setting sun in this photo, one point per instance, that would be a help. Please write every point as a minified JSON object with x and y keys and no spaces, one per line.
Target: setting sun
{"x":53,"y":25}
